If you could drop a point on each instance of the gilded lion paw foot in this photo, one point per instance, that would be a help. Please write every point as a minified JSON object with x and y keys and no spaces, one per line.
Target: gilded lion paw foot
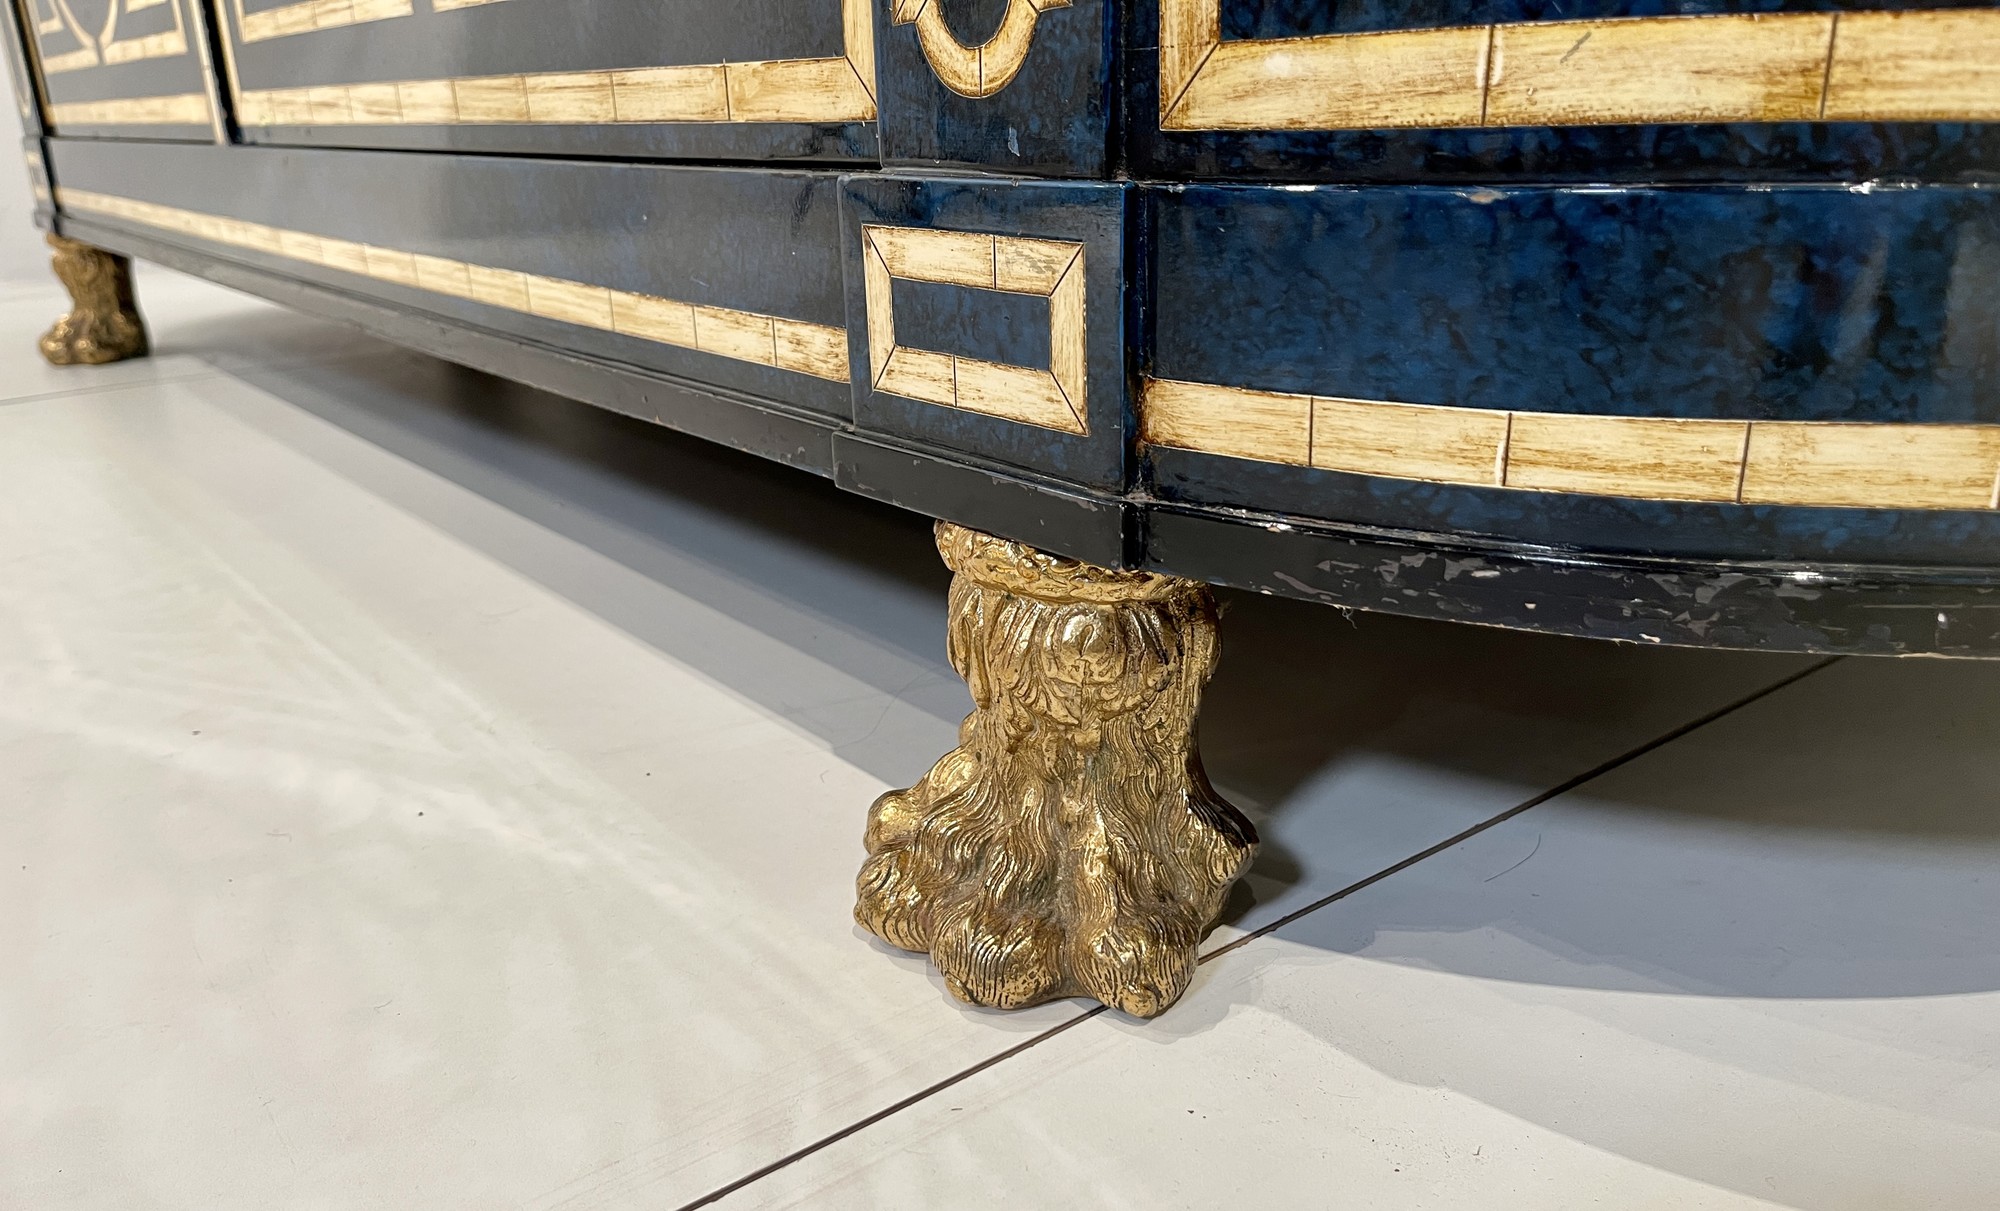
{"x":103,"y":324}
{"x":1070,"y":845}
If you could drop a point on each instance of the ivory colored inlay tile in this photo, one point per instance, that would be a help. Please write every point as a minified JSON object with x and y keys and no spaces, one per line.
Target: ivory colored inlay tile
{"x":1265,"y":425}
{"x":1409,"y":441}
{"x":1884,"y":466}
{"x":1916,"y":66}
{"x":1766,"y":67}
{"x":1652,"y":457}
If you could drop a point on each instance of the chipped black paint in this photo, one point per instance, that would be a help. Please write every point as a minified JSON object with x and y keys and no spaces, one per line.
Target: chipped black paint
{"x":1799,"y":608}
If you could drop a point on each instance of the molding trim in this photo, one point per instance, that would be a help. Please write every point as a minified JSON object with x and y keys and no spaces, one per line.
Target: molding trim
{"x":1898,"y":66}
{"x":1852,"y":464}
{"x":807,"y":348}
{"x":1052,"y":269}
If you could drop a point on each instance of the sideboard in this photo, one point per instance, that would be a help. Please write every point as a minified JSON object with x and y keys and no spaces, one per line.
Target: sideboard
{"x":1656,"y":321}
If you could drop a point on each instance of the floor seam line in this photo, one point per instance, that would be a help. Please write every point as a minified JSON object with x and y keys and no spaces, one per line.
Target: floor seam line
{"x":100,"y":388}
{"x":1561,"y":788}
{"x":888,"y":1111}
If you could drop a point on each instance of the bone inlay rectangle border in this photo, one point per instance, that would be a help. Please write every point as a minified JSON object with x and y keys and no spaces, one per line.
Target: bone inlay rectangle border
{"x":1834,"y":463}
{"x":1928,"y":65}
{"x":838,"y":89}
{"x":1051,"y":398}
{"x":768,"y":340}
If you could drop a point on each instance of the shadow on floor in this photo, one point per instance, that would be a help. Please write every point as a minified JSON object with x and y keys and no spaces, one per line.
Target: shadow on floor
{"x":1300,"y":689}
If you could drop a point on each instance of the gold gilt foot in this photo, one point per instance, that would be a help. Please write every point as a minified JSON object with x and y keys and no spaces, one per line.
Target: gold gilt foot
{"x":103,"y":324}
{"x":1070,"y":845}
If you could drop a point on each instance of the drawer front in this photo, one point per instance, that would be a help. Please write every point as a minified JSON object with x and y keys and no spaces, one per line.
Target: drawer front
{"x":726,"y":277}
{"x":1808,"y":373}
{"x":1591,"y":90}
{"x":755,"y":79}
{"x":123,"y":68}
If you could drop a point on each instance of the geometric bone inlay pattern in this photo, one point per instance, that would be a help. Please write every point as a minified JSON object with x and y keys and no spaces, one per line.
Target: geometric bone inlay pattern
{"x":974,"y":71}
{"x":816,"y":349}
{"x":1051,"y":269}
{"x":1828,"y":463}
{"x":130,"y":31}
{"x":1938,"y":65}
{"x":105,"y":44}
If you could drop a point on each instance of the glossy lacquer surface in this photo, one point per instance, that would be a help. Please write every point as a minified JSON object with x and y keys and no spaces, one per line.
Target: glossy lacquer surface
{"x":1724,"y":305}
{"x":1003,"y":337}
{"x":1751,"y":107}
{"x":113,"y":68}
{"x":732,"y":277}
{"x":1038,"y":102}
{"x":760,"y":79}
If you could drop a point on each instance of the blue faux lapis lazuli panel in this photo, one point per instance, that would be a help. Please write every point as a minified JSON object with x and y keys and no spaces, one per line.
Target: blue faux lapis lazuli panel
{"x":1306,"y":18}
{"x":1803,"y":304}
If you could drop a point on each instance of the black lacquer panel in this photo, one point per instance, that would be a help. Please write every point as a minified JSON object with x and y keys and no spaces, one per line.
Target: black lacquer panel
{"x":742,"y":242}
{"x":1053,"y":116}
{"x":679,"y":79}
{"x":120,"y":69}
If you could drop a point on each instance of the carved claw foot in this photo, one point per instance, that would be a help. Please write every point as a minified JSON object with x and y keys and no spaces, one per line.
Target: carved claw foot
{"x":1070,"y":845}
{"x":103,"y":324}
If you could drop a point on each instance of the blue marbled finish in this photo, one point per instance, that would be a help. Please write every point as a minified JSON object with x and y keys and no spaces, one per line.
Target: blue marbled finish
{"x":1093,"y":214}
{"x":1797,"y":304}
{"x":993,"y":325}
{"x":1052,"y":120}
{"x":1720,"y":152}
{"x":761,"y":241}
{"x":1303,"y":18}
{"x":1805,"y":304}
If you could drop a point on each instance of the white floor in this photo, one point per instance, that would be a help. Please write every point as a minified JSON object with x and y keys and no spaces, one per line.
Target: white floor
{"x":420,"y":792}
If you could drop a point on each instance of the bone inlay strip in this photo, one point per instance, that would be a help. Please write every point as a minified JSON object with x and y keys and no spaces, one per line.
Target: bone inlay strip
{"x":1933,"y":65}
{"x":784,"y":90}
{"x":816,"y":349}
{"x":69,"y":60}
{"x":163,"y":45}
{"x":309,"y":15}
{"x":183,"y":109}
{"x":1841,"y":463}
